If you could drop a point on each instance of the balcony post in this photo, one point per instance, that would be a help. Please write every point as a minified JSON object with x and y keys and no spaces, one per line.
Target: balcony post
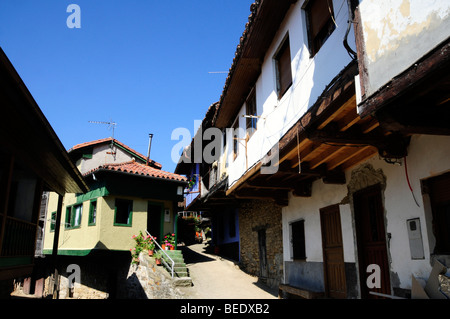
{"x":7,"y":187}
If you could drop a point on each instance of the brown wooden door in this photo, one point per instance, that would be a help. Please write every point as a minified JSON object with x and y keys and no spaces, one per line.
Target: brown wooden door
{"x":333,"y":253}
{"x":371,"y":238}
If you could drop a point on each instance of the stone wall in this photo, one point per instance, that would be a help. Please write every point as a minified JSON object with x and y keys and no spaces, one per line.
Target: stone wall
{"x":261,"y":216}
{"x":103,"y":276}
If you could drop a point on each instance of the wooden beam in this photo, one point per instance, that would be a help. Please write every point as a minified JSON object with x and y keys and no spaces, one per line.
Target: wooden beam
{"x":349,"y":104}
{"x":245,"y":177}
{"x":326,"y":155}
{"x":345,"y":156}
{"x":303,"y":189}
{"x":334,"y":177}
{"x":368,"y":124}
{"x":277,"y":195}
{"x":361,"y":157}
{"x":353,"y":137}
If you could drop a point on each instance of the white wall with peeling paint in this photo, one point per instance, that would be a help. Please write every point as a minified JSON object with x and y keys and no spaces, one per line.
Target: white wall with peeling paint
{"x":310,"y":76}
{"x":399,"y":206}
{"x":397,"y":33}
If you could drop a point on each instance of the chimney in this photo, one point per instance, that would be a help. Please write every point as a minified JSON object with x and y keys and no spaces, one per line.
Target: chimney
{"x":149,"y":147}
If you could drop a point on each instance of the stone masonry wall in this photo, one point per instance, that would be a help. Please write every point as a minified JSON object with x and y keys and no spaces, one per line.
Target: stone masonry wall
{"x":106,"y":277}
{"x":263,"y":215}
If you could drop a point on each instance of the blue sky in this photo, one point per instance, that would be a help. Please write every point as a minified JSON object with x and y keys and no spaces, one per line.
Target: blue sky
{"x":144,"y":64}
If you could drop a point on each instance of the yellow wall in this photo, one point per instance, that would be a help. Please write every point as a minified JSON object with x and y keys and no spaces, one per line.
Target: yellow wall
{"x":104,"y":235}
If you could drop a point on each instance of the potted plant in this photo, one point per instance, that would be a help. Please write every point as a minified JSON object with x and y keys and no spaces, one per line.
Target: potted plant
{"x":158,"y":256}
{"x":169,"y":241}
{"x":150,"y":244}
{"x":140,"y":245}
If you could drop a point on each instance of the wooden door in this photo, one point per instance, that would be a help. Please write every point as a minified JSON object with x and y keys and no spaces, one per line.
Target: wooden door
{"x":333,"y":253}
{"x":154,"y":220}
{"x":262,"y":254}
{"x":371,"y":239}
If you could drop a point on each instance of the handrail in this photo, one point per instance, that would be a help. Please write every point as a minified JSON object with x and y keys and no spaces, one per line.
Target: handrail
{"x":173,"y":262}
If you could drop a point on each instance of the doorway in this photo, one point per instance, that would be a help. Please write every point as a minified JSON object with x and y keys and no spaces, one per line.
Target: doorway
{"x":371,"y":239}
{"x":155,"y":219}
{"x":333,"y":253}
{"x":262,"y":254}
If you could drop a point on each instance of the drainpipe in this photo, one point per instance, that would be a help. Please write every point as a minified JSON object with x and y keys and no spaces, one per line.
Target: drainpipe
{"x":352,"y":53}
{"x":149,"y":147}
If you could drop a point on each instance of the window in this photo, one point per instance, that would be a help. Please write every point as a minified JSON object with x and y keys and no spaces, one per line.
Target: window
{"x":224,"y":139}
{"x":283,"y":68}
{"x":235,"y":138}
{"x":297,"y":230}
{"x":320,"y":24}
{"x":92,"y":213}
{"x":73,"y":216}
{"x":53,"y":222}
{"x":123,"y":212}
{"x":439,"y":191}
{"x":250,"y":106}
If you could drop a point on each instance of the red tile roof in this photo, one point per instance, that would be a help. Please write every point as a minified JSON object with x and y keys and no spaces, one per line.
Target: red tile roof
{"x":133,"y":167}
{"x":109,"y":139}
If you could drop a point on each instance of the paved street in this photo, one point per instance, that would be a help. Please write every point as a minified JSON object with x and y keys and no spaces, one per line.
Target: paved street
{"x":218,"y":278}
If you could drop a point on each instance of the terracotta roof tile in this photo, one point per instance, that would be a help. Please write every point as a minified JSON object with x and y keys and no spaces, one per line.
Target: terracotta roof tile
{"x":133,"y":167}
{"x":107,"y":140}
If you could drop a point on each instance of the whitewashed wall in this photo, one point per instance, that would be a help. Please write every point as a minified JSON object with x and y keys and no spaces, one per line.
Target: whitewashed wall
{"x":100,"y":156}
{"x":428,"y":156}
{"x":399,"y":32}
{"x":310,"y":77}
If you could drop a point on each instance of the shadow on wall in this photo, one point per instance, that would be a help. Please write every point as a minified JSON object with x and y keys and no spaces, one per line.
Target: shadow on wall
{"x":101,"y":274}
{"x":134,"y":288}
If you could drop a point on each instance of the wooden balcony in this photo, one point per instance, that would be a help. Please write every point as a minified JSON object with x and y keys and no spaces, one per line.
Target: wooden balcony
{"x":17,"y":246}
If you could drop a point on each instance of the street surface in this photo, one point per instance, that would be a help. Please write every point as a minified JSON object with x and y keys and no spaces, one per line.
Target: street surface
{"x":218,"y":278}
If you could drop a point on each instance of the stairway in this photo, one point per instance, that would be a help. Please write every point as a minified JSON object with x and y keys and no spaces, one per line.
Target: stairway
{"x":181,"y":272}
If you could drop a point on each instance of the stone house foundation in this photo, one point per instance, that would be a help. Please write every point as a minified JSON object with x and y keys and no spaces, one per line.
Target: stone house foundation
{"x":261,"y":242}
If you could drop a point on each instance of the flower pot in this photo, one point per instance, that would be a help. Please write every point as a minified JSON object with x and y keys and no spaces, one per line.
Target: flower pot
{"x":150,"y":252}
{"x":158,"y":261}
{"x":172,"y":248}
{"x":163,"y":247}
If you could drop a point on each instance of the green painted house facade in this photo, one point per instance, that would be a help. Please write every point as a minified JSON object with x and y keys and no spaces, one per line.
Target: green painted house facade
{"x":128,"y":195}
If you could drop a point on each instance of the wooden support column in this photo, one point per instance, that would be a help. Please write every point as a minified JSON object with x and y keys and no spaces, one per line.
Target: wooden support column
{"x":7,"y":187}
{"x":55,"y":288}
{"x":57,"y":228}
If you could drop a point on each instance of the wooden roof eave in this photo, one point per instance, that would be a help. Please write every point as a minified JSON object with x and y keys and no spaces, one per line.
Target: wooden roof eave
{"x":328,"y":140}
{"x":263,"y":24}
{"x":29,"y":136}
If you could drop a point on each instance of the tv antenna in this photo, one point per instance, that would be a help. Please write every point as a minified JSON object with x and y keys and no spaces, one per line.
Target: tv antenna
{"x":111,"y":125}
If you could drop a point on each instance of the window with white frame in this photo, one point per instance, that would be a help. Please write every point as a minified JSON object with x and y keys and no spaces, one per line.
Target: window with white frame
{"x":73,"y":216}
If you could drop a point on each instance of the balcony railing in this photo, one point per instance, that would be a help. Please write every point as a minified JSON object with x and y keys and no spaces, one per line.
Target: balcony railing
{"x":19,"y":238}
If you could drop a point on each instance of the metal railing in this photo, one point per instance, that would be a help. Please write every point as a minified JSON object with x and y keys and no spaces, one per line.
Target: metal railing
{"x":172,"y":266}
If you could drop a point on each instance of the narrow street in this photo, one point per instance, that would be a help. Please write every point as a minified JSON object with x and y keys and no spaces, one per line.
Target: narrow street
{"x":217,"y":278}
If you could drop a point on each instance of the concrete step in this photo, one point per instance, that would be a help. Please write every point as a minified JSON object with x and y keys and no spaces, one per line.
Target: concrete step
{"x":180,"y":267}
{"x":182,"y":281}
